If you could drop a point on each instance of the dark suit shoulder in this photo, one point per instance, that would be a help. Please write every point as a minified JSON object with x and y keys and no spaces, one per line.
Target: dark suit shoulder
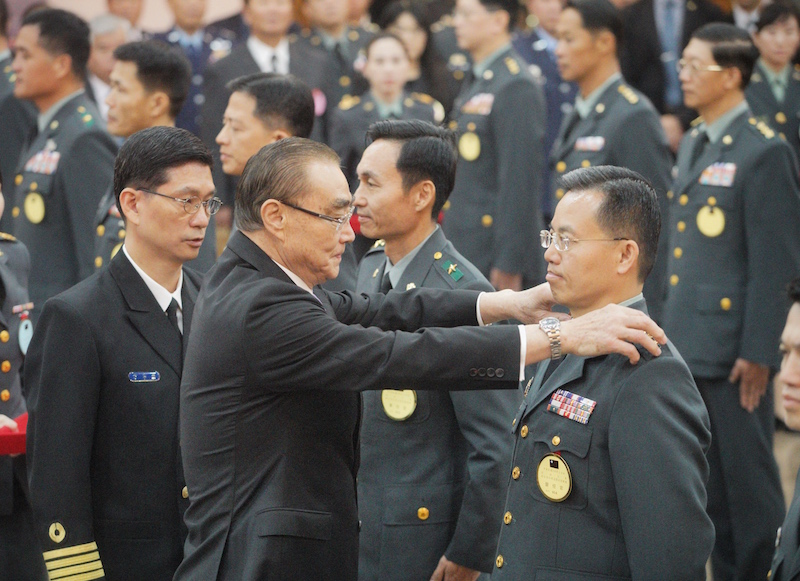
{"x":195,"y":277}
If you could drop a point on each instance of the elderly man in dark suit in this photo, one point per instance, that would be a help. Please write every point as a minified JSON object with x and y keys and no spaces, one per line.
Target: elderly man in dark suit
{"x":66,"y":168}
{"x":433,"y":471}
{"x":103,"y":371}
{"x":734,"y":244}
{"x":609,"y":469}
{"x":270,"y":410}
{"x":786,"y":562}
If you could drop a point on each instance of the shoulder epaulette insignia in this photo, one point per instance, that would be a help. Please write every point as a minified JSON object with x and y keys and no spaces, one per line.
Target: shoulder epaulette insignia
{"x":513,"y":65}
{"x":9,"y":237}
{"x":629,"y":94}
{"x":438,"y":111}
{"x":765,"y":130}
{"x":755,"y":78}
{"x":696,"y":121}
{"x":451,"y":268}
{"x":353,"y":35}
{"x":422,"y":98}
{"x":379,"y":243}
{"x":87,"y":119}
{"x":458,"y":60}
{"x":411,"y":286}
{"x":348,"y":102}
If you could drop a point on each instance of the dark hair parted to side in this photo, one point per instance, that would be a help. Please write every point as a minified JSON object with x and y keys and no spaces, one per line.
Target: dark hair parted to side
{"x":730,"y":47}
{"x":794,"y":290}
{"x":62,"y":32}
{"x":598,"y":15}
{"x":282,"y":101}
{"x":428,"y":152}
{"x":511,"y":6}
{"x":779,"y":11}
{"x":147,"y":155}
{"x":629,"y":210}
{"x":278,"y":171}
{"x":159,"y":67}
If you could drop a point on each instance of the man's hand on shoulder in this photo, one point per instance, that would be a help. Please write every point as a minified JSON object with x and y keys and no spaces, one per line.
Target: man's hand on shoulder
{"x":449,"y":571}
{"x":752,"y":378}
{"x":529,"y":306}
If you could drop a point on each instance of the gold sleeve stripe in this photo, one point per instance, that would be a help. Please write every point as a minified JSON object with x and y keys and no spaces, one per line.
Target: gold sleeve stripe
{"x":77,"y":560}
{"x":69,"y":551}
{"x":86,"y":576}
{"x":70,"y":573}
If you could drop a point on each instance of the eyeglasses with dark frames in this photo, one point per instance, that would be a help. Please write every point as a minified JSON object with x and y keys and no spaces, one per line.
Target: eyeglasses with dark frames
{"x":192,"y":205}
{"x":340,"y":222}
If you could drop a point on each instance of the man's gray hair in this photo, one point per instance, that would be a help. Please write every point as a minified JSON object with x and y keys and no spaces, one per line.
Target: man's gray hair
{"x":107,"y":23}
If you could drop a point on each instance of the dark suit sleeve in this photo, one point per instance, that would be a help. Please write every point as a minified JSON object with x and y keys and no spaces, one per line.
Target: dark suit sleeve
{"x":87,"y":173}
{"x":518,"y":134}
{"x":327,"y":354}
{"x":772,"y":228}
{"x":62,"y":377}
{"x":657,"y":440}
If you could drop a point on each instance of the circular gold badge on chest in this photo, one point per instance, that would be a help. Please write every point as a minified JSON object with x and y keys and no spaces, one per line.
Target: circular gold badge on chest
{"x":711,"y":221}
{"x":469,"y":146}
{"x":554,"y":478}
{"x":399,"y":404}
{"x":34,"y":207}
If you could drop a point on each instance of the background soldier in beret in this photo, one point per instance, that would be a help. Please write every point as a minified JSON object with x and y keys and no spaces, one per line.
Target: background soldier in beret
{"x":20,"y":554}
{"x":611,"y":123}
{"x":494,"y":214}
{"x":103,"y":372}
{"x":734,"y":243}
{"x":66,"y":168}
{"x":433,"y":464}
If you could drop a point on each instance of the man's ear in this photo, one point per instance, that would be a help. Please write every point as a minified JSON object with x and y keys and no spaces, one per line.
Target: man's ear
{"x":628,"y":257}
{"x":423,"y":195}
{"x":274,"y":218}
{"x":130,"y":200}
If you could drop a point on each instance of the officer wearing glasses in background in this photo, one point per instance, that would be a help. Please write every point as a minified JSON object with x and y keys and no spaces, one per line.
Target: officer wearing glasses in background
{"x":734,"y":243}
{"x":103,"y":371}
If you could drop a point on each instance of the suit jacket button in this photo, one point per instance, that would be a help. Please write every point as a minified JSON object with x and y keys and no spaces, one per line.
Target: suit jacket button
{"x":473,"y":372}
{"x":185,"y":492}
{"x":423,"y":513}
{"x":490,"y":372}
{"x":499,"y":372}
{"x":481,"y":372}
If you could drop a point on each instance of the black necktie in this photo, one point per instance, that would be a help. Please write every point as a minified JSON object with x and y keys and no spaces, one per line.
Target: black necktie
{"x":172,"y":315}
{"x":274,"y":63}
{"x":386,"y":284}
{"x":697,"y":148}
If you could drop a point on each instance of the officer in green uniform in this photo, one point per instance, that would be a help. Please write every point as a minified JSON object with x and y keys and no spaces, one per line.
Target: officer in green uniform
{"x":611,"y":123}
{"x":341,"y":43}
{"x":493,"y":216}
{"x":63,"y":173}
{"x":734,"y":244}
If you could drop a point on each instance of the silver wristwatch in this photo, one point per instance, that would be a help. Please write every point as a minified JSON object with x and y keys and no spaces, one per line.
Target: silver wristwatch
{"x":552,"y":328}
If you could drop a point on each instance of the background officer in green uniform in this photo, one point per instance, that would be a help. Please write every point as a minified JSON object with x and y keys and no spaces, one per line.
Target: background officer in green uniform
{"x":774,"y":90}
{"x":611,"y":123}
{"x":20,"y":554}
{"x":433,"y":464}
{"x":149,"y":84}
{"x":494,"y":215}
{"x":66,"y":169}
{"x":340,"y":43}
{"x":734,"y":244}
{"x":609,"y":469}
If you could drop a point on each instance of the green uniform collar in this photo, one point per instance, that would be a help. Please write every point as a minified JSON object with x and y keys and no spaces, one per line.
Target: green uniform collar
{"x":773,"y":78}
{"x":396,"y":271}
{"x":585,"y":106}
{"x":386,"y":110}
{"x":46,"y":117}
{"x":719,"y":127}
{"x":632,"y":300}
{"x":484,"y":65}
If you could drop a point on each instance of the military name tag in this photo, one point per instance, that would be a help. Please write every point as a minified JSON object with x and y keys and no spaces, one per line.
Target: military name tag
{"x":711,"y":221}
{"x":399,"y":404}
{"x":34,"y":207}
{"x":469,"y":146}
{"x":590,"y":143}
{"x":480,"y":104}
{"x":718,"y":174}
{"x":554,"y":478}
{"x":144,"y":376}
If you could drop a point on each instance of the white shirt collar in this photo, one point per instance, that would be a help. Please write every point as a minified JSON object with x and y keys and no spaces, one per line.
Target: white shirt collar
{"x":295,"y":279}
{"x":163,"y":296}
{"x":262,"y":54}
{"x":101,"y":91}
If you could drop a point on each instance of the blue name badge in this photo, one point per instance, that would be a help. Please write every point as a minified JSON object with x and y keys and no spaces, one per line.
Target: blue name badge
{"x":144,"y":376}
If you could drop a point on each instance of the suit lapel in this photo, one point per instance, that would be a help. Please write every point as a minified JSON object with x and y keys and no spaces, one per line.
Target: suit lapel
{"x":145,"y":314}
{"x":188,"y":299}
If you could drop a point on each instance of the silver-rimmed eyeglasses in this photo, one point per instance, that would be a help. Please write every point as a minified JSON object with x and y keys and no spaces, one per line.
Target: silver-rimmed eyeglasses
{"x":695,"y":68}
{"x":340,"y":222}
{"x":563,"y":242}
{"x":192,"y":205}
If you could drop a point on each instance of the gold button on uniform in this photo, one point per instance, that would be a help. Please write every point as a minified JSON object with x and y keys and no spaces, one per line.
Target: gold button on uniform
{"x":681,"y":226}
{"x":524,"y":431}
{"x":5,"y":395}
{"x":559,"y":193}
{"x":437,"y":255}
{"x":15,"y":211}
{"x":423,"y":513}
{"x":712,"y":201}
{"x":18,"y":179}
{"x":344,"y":81}
{"x":185,"y":492}
{"x":101,"y":230}
{"x":471,"y":126}
{"x":121,"y":233}
{"x":556,"y":440}
{"x":725,"y":304}
{"x":507,"y":518}
{"x":488,"y":75}
{"x":515,"y":473}
{"x":780,"y":117}
{"x":683,"y":200}
{"x":727,"y":140}
{"x":57,"y":532}
{"x":600,"y":108}
{"x":678,"y":252}
{"x":499,"y":561}
{"x":670,"y":195}
{"x":673,"y":280}
{"x":561,"y":166}
{"x":4,"y":336}
{"x":5,"y":367}
{"x":487,"y":220}
{"x":98,"y":261}
{"x":586,"y":163}
{"x":453,"y":125}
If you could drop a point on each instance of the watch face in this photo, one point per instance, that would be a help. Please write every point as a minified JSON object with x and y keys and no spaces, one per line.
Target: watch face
{"x":550,"y":323}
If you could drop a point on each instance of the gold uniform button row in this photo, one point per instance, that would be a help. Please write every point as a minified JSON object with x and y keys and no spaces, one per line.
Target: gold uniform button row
{"x":4,"y":336}
{"x":507,"y":518}
{"x":725,"y":304}
{"x":673,"y":280}
{"x":101,"y":230}
{"x":487,"y":220}
{"x":556,"y":440}
{"x":185,"y":492}
{"x":5,"y":366}
{"x":681,"y":226}
{"x":5,"y":395}
{"x":98,"y":261}
{"x":499,"y":561}
{"x":515,"y":473}
{"x":423,"y":513}
{"x":677,"y":253}
{"x":523,"y":431}
{"x":683,"y":200}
